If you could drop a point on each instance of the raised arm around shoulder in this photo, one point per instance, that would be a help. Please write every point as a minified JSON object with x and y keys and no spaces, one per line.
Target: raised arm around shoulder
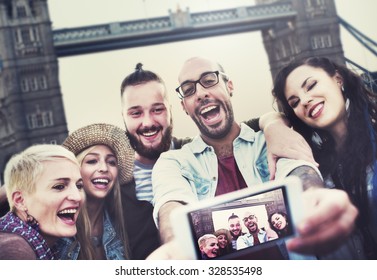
{"x":309,"y":177}
{"x":272,"y":117}
{"x":283,"y":142}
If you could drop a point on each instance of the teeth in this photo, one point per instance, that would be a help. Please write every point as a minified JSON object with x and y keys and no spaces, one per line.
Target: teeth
{"x":68,"y":211}
{"x":205,"y":110}
{"x":101,"y":181}
{"x":149,"y":133}
{"x":316,"y":110}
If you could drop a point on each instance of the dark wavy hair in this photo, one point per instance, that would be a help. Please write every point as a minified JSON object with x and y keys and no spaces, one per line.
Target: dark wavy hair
{"x":348,"y":167}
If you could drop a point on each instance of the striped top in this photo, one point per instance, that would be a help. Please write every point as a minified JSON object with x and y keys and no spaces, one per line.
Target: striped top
{"x":143,"y":181}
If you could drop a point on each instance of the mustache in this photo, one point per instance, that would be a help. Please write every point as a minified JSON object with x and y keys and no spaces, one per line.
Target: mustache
{"x":149,"y":129}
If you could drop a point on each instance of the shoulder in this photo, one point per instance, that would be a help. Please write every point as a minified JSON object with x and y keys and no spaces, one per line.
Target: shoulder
{"x":14,"y":247}
{"x":179,"y":142}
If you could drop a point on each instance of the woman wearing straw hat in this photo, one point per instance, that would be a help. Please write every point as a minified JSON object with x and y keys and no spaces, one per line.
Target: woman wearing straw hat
{"x":106,"y":159}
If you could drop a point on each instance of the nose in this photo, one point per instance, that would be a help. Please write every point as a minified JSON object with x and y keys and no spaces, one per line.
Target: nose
{"x":102,"y":166}
{"x":147,"y":120}
{"x":201,"y":92}
{"x":75,"y":194}
{"x":306,"y":99}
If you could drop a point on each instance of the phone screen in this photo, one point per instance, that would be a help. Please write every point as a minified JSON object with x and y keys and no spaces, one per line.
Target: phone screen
{"x":253,"y":227}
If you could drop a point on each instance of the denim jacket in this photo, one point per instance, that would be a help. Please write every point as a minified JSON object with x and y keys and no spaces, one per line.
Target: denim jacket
{"x":191,"y":173}
{"x":69,"y":248}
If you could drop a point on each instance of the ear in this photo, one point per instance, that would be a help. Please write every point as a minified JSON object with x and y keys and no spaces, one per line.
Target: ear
{"x":229,"y":84}
{"x":338,"y":78}
{"x":18,"y":200}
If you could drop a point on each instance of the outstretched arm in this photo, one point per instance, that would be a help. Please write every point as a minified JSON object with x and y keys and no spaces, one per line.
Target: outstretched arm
{"x":282,"y":141}
{"x":164,"y":224}
{"x":329,"y":216}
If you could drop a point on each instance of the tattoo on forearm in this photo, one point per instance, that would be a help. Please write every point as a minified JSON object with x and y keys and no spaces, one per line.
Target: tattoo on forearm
{"x":309,"y":177}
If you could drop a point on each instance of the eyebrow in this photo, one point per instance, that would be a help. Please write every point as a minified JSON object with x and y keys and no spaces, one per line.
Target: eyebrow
{"x":302,"y":86}
{"x":201,"y":76}
{"x":304,"y":83}
{"x":66,"y":180}
{"x":140,"y":107}
{"x":97,"y":154}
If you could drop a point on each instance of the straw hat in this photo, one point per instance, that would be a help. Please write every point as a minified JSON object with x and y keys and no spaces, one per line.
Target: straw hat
{"x":109,"y":135}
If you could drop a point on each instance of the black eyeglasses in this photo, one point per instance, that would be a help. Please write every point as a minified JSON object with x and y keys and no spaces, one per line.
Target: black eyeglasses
{"x":207,"y":80}
{"x":249,"y":218}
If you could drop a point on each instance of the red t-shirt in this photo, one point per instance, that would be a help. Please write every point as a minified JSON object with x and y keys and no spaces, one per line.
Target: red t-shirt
{"x":230,"y":177}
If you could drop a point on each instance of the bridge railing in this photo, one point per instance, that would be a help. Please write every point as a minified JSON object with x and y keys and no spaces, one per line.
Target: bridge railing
{"x":177,"y":20}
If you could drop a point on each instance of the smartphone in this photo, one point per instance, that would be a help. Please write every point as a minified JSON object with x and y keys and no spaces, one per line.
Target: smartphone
{"x":270,"y":210}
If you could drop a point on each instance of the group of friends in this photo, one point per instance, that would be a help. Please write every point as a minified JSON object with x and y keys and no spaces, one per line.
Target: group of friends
{"x":107,"y":193}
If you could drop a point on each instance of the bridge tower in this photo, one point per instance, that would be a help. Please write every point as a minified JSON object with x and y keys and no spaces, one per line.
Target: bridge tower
{"x":31,"y":105}
{"x":314,"y":32}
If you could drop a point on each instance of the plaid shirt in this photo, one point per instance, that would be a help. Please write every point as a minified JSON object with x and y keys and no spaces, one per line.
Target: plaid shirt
{"x":10,"y":223}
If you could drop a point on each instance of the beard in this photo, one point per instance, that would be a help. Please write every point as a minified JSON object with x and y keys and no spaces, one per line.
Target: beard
{"x":219,"y":132}
{"x":235,"y":236}
{"x":152,"y":153}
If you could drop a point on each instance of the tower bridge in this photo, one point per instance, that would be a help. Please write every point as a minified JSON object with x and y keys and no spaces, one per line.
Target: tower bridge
{"x":31,"y":105}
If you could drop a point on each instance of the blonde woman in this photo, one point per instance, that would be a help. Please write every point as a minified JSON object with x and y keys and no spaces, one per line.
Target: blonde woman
{"x":45,"y":193}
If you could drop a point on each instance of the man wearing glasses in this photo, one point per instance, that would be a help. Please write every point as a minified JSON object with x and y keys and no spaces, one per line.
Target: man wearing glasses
{"x":255,"y":236}
{"x":227,"y":156}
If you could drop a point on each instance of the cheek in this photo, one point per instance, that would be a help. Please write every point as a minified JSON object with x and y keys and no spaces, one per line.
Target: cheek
{"x":114,"y":171}
{"x":85,"y":172}
{"x":44,"y":210}
{"x":299,"y":112}
{"x":132,"y":124}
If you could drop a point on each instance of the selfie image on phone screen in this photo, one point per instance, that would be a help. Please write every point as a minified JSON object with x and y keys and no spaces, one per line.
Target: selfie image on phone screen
{"x":253,"y":227}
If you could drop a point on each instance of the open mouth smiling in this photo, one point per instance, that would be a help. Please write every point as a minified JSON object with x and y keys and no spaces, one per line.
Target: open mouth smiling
{"x":68,"y":214}
{"x":210,"y":112}
{"x":315,"y":110}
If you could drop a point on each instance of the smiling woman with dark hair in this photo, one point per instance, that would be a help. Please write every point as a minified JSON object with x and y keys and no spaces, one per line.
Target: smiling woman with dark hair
{"x":336,"y":113}
{"x":279,"y":223}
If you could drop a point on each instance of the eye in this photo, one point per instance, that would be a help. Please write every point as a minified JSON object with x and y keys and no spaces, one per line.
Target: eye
{"x":294,"y":103}
{"x":159,"y":110}
{"x":135,"y":114}
{"x":91,"y":161}
{"x":311,"y":85}
{"x":208,"y":80}
{"x":188,"y":89}
{"x":59,"y":187}
{"x":80,"y":185}
{"x":112,"y":162}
